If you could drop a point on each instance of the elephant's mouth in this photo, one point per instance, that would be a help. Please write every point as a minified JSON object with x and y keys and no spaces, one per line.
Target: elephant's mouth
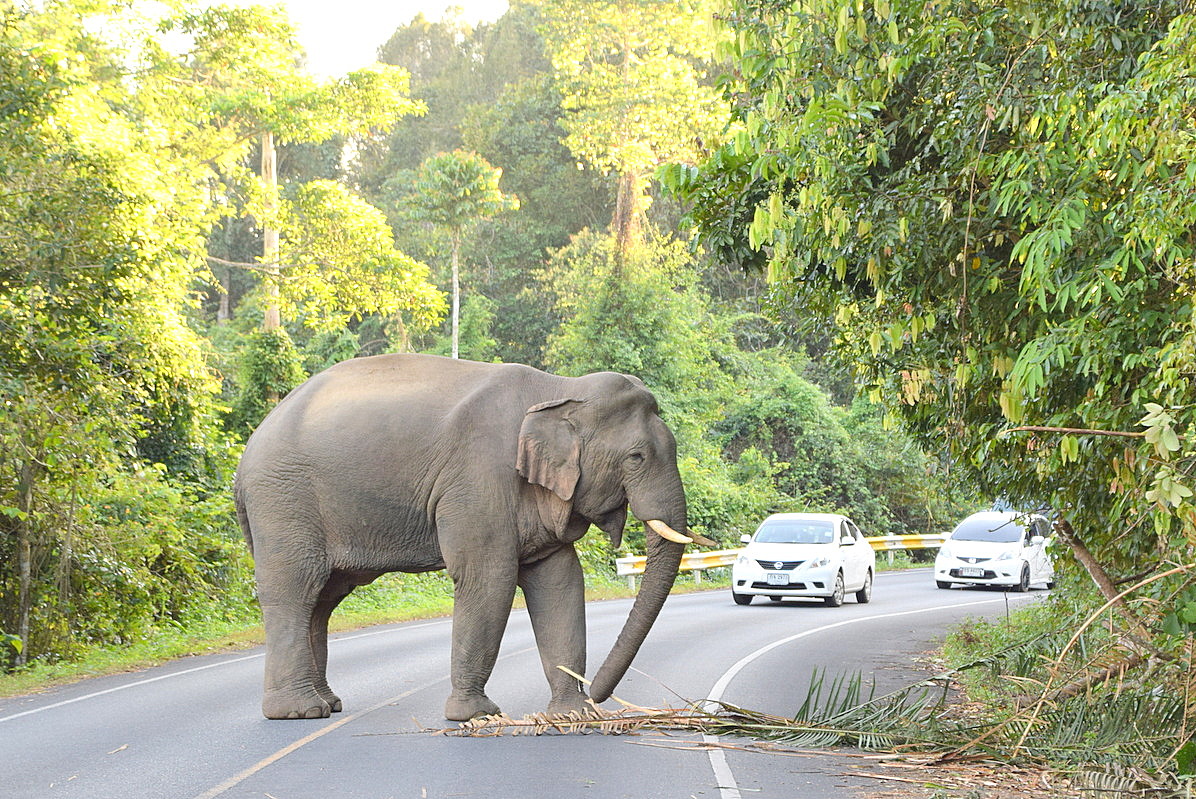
{"x":612,"y":523}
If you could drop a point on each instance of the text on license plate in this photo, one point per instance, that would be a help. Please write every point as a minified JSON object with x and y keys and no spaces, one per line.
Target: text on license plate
{"x":971,"y":572}
{"x":777,"y":579}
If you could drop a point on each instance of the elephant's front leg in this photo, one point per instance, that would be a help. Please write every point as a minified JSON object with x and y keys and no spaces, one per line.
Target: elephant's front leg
{"x":483,"y":588}
{"x":555,"y":591}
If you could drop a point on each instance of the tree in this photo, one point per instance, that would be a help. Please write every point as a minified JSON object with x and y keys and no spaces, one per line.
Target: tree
{"x":453,"y":191}
{"x":633,"y":92}
{"x":102,"y":224}
{"x":993,"y":204}
{"x":267,"y":97}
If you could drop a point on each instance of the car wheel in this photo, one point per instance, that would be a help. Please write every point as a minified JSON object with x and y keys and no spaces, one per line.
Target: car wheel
{"x":836,"y":597}
{"x":1023,"y":584}
{"x":1050,"y":584}
{"x":942,"y":584}
{"x":741,"y":599}
{"x":864,"y":595}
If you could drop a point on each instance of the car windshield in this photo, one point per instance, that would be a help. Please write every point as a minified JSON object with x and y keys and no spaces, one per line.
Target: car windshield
{"x":1001,"y":531}
{"x":796,"y":531}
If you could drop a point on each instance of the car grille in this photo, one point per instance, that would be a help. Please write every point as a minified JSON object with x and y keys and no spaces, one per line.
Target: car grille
{"x":974,"y":560}
{"x":790,"y":587}
{"x":780,"y":565}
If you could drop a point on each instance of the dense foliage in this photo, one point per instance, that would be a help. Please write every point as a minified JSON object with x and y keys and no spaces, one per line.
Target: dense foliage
{"x":147,"y":238}
{"x":991,"y":203}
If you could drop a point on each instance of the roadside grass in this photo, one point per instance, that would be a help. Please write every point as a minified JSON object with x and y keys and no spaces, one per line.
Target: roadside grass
{"x":391,"y":599}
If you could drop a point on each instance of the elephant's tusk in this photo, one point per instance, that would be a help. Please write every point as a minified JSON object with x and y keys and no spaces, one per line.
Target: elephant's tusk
{"x":702,"y":540}
{"x":667,"y":533}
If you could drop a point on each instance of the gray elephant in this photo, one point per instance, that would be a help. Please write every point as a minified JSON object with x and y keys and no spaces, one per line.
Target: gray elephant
{"x":492,"y":471}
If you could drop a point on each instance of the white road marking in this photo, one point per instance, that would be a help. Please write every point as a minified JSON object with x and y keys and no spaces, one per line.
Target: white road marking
{"x":233,"y":781}
{"x":724,"y":779}
{"x":229,"y":662}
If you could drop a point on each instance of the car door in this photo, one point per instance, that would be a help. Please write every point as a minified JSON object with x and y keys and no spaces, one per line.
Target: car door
{"x":863,"y":551}
{"x":849,"y":550}
{"x":1040,"y":562}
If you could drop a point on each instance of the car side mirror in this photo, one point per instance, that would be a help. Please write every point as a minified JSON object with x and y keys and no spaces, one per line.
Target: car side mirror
{"x":1037,"y":541}
{"x":846,"y":542}
{"x":745,"y":539}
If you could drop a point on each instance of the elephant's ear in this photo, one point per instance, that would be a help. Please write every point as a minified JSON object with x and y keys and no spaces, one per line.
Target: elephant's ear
{"x":550,"y":456}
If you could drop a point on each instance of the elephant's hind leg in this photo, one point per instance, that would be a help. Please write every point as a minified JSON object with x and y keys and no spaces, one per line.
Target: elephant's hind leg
{"x":339,"y":586}
{"x":290,"y":690}
{"x":290,"y":583}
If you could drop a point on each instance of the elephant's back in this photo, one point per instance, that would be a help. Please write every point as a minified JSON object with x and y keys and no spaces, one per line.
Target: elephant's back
{"x":367,"y":446}
{"x":363,"y":413}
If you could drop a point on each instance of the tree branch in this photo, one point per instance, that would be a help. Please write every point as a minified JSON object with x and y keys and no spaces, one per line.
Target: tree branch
{"x":1082,"y":431}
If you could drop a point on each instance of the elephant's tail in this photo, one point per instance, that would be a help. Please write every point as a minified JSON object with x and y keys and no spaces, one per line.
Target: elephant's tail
{"x":242,"y":516}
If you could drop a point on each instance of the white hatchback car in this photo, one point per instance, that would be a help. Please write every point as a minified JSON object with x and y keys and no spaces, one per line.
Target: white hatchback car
{"x":821,"y":555}
{"x":997,"y":548}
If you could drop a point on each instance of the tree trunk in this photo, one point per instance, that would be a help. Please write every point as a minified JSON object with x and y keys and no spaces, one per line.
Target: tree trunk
{"x":24,"y":558}
{"x":456,"y":295}
{"x":628,"y":213}
{"x":629,"y":194}
{"x":224,"y":313}
{"x":272,"y":318}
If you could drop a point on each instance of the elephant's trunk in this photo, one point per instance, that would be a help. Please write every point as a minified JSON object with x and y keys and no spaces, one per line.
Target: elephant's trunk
{"x":664,"y":557}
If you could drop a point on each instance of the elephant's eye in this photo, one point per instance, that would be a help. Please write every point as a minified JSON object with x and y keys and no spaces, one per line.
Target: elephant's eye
{"x":635,"y":458}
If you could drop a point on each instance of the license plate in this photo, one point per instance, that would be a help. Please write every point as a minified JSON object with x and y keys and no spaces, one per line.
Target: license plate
{"x":777,"y":579}
{"x":966,"y":572}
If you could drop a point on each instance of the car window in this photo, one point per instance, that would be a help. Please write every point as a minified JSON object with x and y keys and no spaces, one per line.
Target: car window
{"x":796,"y":531}
{"x":855,"y":531}
{"x":1004,"y":531}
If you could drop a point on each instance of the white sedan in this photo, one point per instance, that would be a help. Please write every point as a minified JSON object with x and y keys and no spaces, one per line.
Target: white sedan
{"x":820,"y":555}
{"x":996,"y":548}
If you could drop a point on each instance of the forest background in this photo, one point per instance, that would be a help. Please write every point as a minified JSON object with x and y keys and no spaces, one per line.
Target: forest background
{"x":146,"y":247}
{"x":895,"y":259}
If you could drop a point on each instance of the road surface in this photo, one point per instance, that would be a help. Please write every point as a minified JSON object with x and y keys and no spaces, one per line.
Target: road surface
{"x":192,"y":729}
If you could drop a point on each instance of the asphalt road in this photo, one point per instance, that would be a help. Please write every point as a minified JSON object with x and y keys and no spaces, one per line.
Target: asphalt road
{"x":192,"y":729}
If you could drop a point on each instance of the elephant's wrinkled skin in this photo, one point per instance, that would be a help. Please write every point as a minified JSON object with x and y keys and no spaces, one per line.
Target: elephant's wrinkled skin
{"x":491,"y":471}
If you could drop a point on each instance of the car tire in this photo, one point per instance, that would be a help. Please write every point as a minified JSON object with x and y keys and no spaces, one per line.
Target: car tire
{"x":741,"y":599}
{"x":942,"y":583}
{"x":1023,"y":583}
{"x":864,"y":595}
{"x":836,"y":597}
{"x":1050,"y":584}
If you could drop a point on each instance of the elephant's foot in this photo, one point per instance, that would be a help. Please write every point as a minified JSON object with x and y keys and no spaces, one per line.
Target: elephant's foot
{"x":308,"y":705}
{"x":575,"y":702}
{"x":466,"y":706}
{"x":333,"y":701}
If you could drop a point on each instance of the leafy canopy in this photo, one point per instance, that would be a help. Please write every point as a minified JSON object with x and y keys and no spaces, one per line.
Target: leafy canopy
{"x":992,"y":202}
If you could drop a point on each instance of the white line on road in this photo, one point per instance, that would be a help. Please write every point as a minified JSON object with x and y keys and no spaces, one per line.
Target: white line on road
{"x":724,"y":779}
{"x":233,"y":781}
{"x":149,"y":680}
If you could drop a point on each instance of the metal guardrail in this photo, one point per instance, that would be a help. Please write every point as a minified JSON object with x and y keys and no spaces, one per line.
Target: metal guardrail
{"x":888,"y":543}
{"x":633,"y":565}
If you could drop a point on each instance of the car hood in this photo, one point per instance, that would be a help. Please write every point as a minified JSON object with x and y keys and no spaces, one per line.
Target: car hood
{"x":980,"y":549}
{"x":790,"y":552}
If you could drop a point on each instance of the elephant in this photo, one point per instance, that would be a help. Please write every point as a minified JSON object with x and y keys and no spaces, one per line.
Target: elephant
{"x":415,"y":463}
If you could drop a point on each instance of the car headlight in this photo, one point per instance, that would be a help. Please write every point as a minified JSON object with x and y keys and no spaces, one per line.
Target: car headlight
{"x":817,"y":563}
{"x":1006,"y":555}
{"x":743,"y":560}
{"x":944,"y":551}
